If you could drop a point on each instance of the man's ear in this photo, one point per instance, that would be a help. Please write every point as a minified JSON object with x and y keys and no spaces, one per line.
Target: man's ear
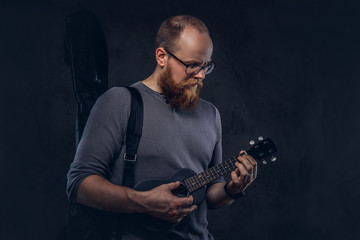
{"x":161,"y":56}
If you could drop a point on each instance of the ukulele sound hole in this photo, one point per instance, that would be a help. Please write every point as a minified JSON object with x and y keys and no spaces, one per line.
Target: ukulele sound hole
{"x":181,"y":191}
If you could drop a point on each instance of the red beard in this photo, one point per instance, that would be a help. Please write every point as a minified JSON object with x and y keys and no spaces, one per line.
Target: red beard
{"x":183,"y":96}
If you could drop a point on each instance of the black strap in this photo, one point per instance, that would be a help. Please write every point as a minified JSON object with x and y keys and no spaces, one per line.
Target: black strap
{"x":133,"y":136}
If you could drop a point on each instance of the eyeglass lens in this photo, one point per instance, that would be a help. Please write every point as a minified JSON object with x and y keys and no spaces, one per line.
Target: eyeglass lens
{"x":196,"y":69}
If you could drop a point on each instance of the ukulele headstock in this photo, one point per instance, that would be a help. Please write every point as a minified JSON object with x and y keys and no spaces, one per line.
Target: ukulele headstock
{"x":263,"y":150}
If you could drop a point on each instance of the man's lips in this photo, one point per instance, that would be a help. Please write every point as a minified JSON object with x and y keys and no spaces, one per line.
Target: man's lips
{"x":197,"y":84}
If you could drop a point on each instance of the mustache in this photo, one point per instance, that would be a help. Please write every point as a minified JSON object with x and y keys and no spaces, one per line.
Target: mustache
{"x":190,"y":83}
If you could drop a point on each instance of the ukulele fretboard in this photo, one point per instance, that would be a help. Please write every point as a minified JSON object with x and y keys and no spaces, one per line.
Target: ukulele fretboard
{"x":197,"y":181}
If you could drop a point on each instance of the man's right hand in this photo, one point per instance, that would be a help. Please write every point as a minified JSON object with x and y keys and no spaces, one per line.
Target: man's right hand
{"x":161,"y":203}
{"x":97,"y":192}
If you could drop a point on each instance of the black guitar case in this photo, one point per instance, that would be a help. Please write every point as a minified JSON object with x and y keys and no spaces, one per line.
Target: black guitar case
{"x":86,"y":53}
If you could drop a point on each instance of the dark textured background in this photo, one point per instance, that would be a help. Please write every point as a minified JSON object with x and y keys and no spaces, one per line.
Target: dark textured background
{"x":285,"y":69}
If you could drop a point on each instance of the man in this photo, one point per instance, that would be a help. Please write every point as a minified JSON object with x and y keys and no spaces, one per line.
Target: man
{"x":180,"y":130}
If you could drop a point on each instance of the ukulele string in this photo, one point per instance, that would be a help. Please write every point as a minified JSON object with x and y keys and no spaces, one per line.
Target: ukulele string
{"x":231,"y":160}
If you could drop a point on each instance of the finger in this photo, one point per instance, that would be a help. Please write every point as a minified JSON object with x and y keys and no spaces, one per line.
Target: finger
{"x":175,"y":219}
{"x":194,"y":207}
{"x":247,"y":164}
{"x":252,"y":162}
{"x":242,"y":170}
{"x":254,"y":166}
{"x":235,"y":178}
{"x":173,"y":185}
{"x":250,"y":159}
{"x":243,"y":173}
{"x":179,"y":219}
{"x":238,"y":176}
{"x":185,"y":202}
{"x":187,"y":210}
{"x":254,"y":172}
{"x":236,"y":173}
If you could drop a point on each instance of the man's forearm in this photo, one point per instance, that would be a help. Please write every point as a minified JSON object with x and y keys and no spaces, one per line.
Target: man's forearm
{"x":99,"y":193}
{"x":216,"y":196}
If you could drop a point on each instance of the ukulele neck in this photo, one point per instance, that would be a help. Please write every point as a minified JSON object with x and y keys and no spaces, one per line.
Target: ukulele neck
{"x":258,"y":151}
{"x":199,"y":180}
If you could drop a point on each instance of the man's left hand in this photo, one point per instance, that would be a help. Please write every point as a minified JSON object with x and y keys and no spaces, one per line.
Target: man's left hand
{"x":244,"y":174}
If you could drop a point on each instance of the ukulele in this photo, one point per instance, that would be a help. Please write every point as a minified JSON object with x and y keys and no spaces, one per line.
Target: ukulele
{"x":194,"y":184}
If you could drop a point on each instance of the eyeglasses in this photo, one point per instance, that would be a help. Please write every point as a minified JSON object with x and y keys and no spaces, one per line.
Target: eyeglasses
{"x":193,"y":69}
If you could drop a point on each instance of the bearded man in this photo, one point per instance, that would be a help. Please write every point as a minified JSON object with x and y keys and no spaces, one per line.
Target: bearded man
{"x":180,"y":130}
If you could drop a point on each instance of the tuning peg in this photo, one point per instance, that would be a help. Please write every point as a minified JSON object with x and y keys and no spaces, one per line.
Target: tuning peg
{"x":260,"y":138}
{"x":273,"y":158}
{"x":252,"y":142}
{"x":264,"y":162}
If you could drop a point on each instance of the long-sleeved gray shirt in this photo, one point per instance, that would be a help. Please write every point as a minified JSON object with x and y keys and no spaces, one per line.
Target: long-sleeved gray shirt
{"x":171,"y":140}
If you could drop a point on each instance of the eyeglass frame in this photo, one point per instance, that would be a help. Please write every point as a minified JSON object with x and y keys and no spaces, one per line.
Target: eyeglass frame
{"x":187,"y":65}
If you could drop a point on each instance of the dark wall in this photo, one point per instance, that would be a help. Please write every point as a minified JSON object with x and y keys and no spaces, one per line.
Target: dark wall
{"x":285,"y":69}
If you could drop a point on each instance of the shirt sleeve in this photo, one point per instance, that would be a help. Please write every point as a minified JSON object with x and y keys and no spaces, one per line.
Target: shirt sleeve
{"x":102,"y":138}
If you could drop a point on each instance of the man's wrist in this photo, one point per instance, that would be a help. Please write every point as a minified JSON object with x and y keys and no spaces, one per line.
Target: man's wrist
{"x":137,"y":197}
{"x":233,"y":196}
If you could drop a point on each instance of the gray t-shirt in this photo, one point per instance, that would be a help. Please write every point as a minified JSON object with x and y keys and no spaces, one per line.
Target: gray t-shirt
{"x":171,"y":140}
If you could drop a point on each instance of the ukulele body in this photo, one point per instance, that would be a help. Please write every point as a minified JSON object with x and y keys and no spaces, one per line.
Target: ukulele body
{"x":182,"y":191}
{"x":155,"y":224}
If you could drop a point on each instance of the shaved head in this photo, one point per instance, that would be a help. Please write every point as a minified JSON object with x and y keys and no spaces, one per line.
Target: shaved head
{"x":171,"y":29}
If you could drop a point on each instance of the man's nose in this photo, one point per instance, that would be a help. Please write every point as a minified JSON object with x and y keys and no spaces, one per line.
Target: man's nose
{"x":200,"y":75}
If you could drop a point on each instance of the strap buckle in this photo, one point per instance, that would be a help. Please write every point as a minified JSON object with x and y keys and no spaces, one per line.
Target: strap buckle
{"x":130,"y":159}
